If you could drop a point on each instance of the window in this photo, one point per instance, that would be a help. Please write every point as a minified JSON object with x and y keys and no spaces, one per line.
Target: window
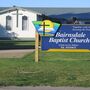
{"x":24,"y":23}
{"x":8,"y":22}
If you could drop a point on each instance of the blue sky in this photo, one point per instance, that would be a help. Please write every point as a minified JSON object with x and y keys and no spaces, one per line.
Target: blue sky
{"x":46,"y":3}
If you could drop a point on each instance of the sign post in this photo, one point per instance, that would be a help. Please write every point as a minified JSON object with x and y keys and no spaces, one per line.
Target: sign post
{"x":37,"y":47}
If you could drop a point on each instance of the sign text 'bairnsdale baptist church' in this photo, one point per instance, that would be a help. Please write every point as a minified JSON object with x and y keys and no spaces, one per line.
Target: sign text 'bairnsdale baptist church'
{"x":72,"y":36}
{"x":68,"y":37}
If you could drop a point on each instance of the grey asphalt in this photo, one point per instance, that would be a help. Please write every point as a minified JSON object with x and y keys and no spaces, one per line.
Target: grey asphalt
{"x":43,"y":88}
{"x":17,"y":53}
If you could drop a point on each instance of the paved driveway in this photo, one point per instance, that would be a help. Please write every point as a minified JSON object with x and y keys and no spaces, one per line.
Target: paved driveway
{"x":19,"y":53}
{"x":43,"y":88}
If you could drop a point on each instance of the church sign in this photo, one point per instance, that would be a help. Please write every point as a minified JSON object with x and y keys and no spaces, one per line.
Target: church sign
{"x":68,"y":37}
{"x":65,"y":37}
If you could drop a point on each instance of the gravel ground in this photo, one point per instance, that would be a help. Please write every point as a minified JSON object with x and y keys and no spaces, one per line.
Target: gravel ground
{"x":43,"y":88}
{"x":15,"y":53}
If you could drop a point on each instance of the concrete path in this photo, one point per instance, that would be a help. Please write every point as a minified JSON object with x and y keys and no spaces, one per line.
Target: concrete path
{"x":17,"y":53}
{"x":43,"y":88}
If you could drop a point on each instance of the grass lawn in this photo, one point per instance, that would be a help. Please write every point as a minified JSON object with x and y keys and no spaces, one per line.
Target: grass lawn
{"x":54,"y":69}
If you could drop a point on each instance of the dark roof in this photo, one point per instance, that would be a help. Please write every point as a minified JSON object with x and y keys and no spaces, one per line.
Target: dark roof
{"x":58,"y":12}
{"x":6,"y":9}
{"x":3,"y":8}
{"x":55,"y":11}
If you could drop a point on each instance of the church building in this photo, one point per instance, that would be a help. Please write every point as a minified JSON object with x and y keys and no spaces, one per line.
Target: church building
{"x":16,"y":23}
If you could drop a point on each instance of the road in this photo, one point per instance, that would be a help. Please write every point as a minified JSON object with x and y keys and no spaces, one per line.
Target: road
{"x":43,"y":88}
{"x":17,"y":53}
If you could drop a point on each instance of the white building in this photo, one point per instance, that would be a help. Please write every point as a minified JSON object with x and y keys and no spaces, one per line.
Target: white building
{"x":16,"y":23}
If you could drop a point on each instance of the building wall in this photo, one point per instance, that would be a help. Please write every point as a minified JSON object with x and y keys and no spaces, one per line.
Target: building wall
{"x":17,"y":31}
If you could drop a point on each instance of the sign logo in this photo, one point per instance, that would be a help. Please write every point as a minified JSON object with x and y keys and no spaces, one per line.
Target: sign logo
{"x":46,"y":27}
